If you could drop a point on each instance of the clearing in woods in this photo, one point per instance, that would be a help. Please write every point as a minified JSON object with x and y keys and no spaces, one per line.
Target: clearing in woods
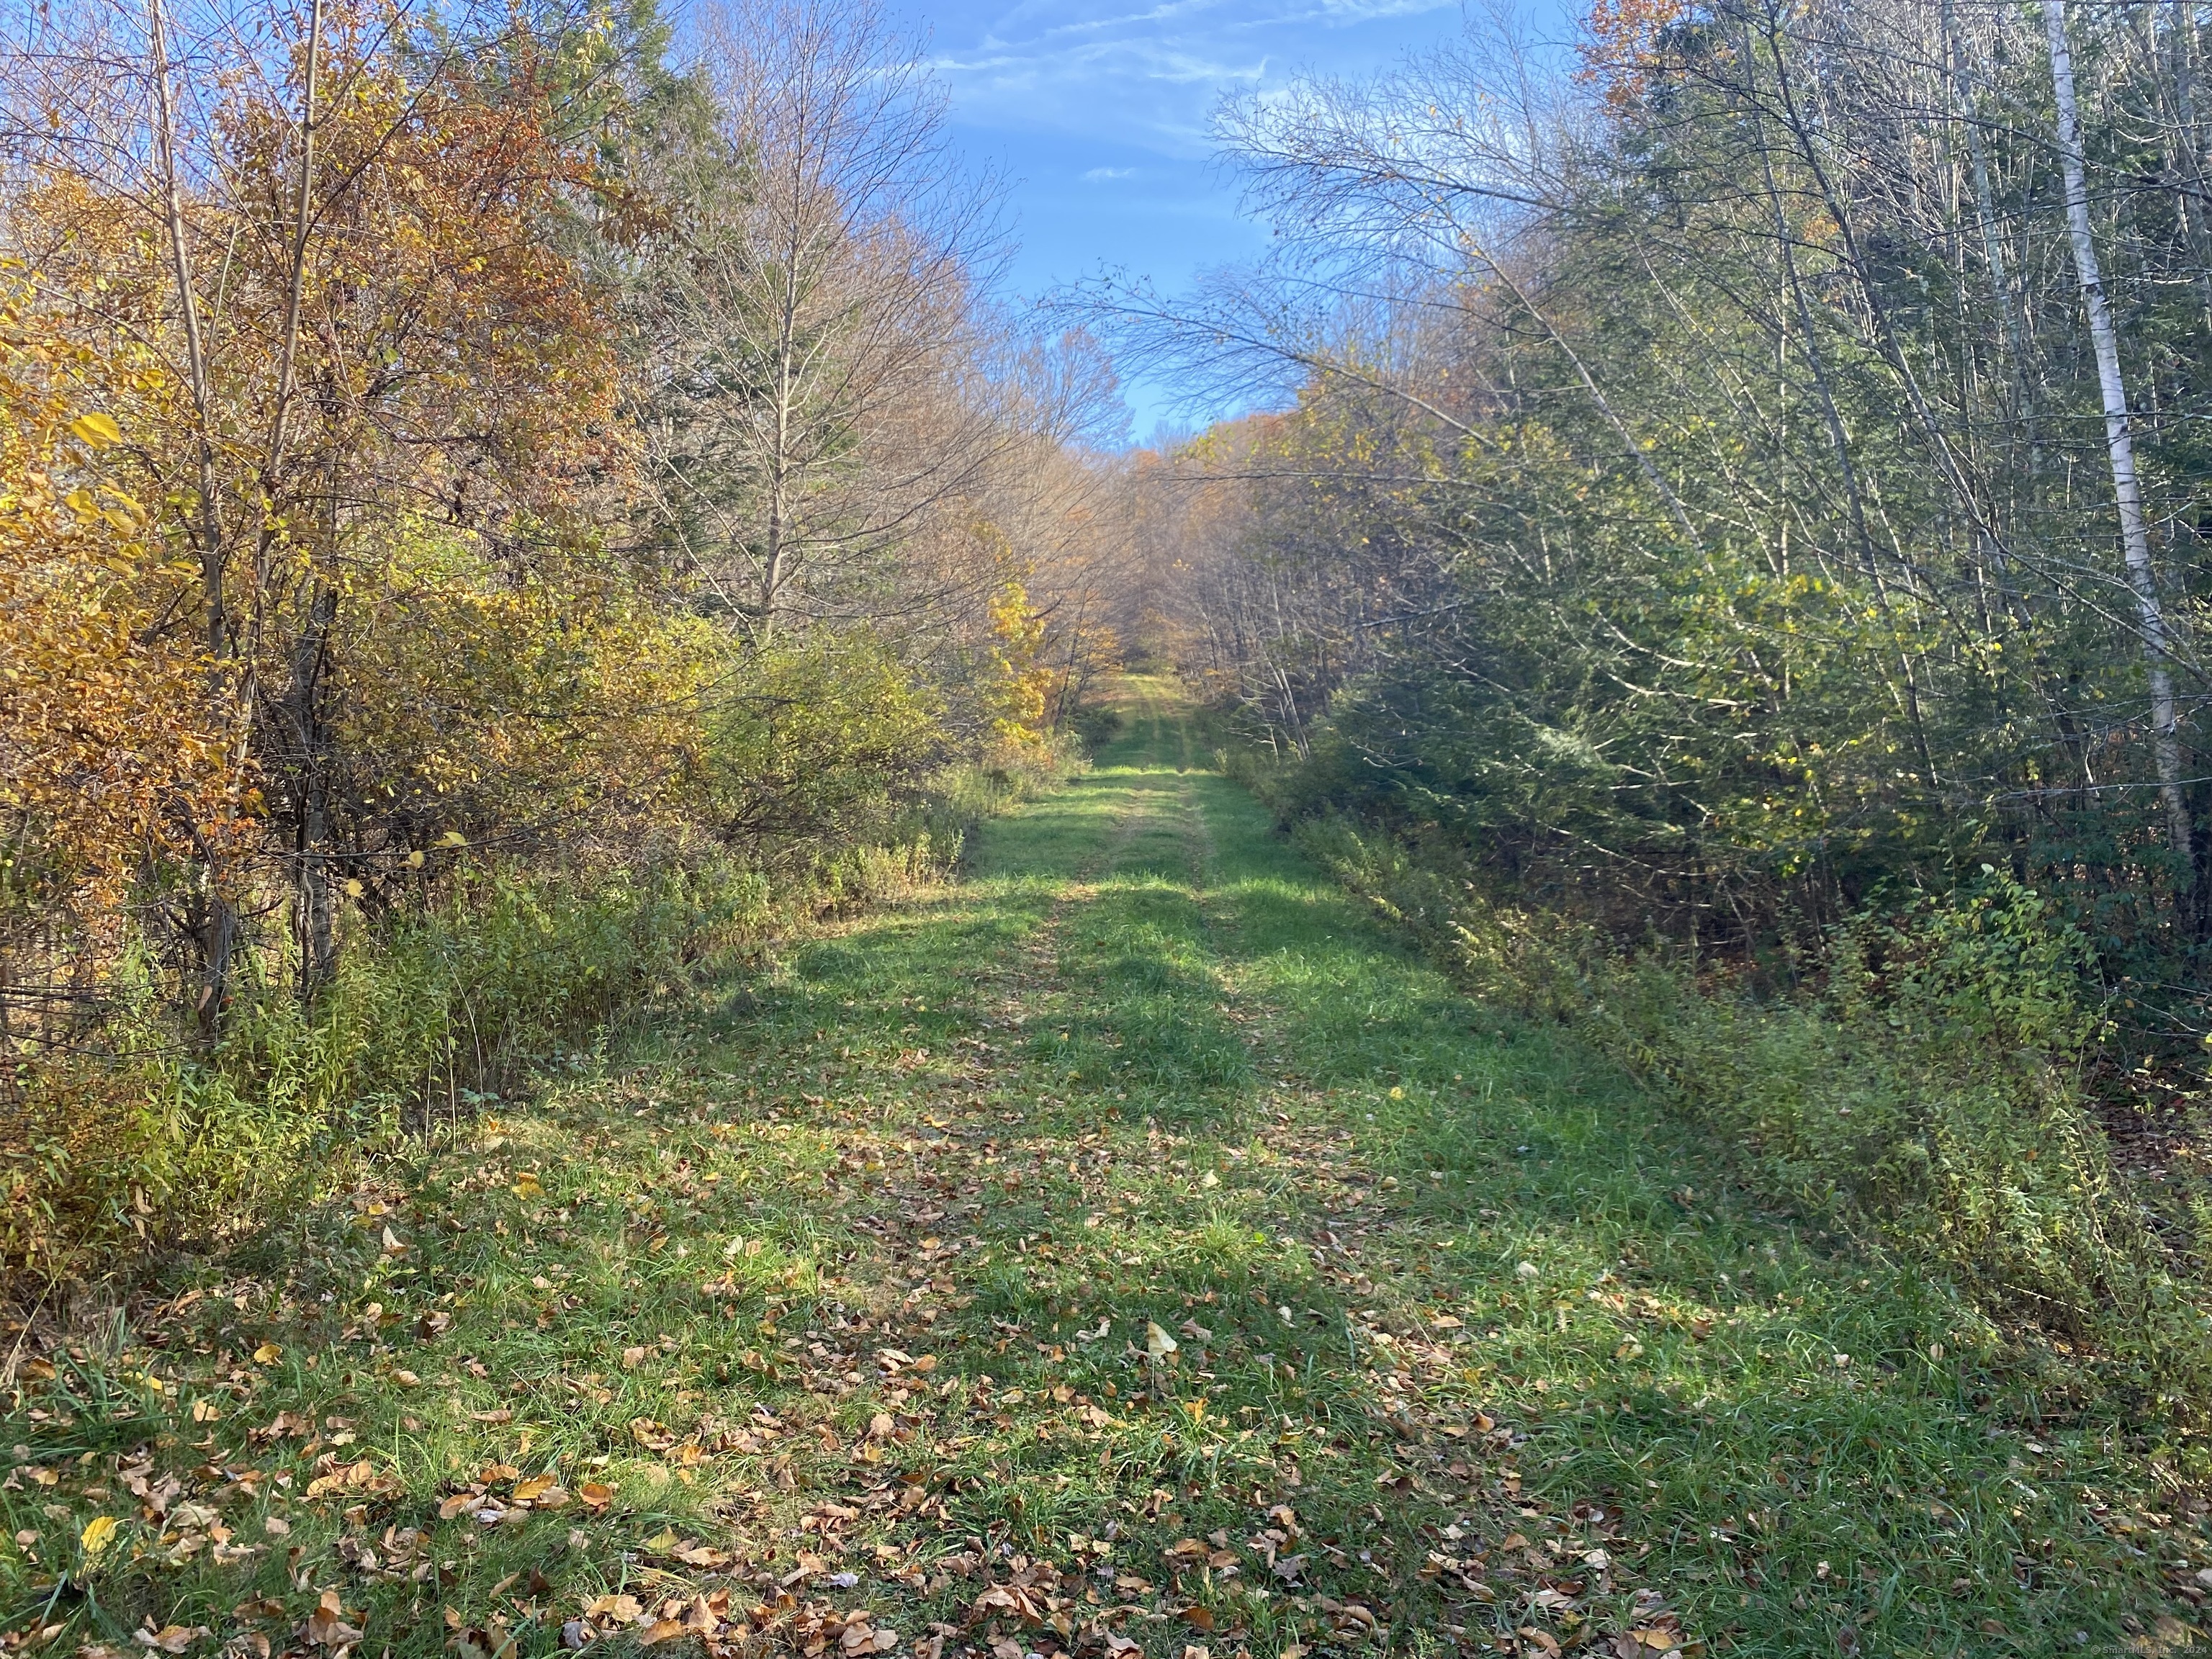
{"x":1129,"y":1244}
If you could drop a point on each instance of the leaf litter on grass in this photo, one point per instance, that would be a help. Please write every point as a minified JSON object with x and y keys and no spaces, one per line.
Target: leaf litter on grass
{"x":1013,"y":1281}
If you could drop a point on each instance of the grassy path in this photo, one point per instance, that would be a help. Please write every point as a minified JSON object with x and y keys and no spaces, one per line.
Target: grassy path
{"x":822,"y":1318}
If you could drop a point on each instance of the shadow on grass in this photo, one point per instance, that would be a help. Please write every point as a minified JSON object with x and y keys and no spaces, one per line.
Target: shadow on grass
{"x":1469,"y":1336}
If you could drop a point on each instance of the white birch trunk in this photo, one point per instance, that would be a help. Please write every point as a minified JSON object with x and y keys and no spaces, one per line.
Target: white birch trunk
{"x":2119,"y":444}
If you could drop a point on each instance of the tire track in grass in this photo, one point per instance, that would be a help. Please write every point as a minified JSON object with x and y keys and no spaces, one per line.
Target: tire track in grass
{"x":836,"y":1319}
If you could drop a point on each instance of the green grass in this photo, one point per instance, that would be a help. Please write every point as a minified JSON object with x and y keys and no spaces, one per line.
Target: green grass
{"x":829,"y":1293}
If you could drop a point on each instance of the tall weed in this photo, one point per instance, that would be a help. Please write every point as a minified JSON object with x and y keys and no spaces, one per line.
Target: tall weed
{"x":1925,"y":1095}
{"x":151,"y":1142}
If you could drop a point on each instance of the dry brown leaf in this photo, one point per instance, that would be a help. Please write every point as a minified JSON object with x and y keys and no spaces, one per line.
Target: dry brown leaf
{"x":171,"y":1638}
{"x":326,"y":1625}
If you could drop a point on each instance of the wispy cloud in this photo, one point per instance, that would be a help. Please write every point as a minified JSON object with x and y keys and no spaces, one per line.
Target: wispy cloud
{"x":1099,"y":113}
{"x":1147,"y":74}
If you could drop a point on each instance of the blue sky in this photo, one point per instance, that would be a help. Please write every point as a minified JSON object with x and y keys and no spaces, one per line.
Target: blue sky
{"x":1098,"y":111}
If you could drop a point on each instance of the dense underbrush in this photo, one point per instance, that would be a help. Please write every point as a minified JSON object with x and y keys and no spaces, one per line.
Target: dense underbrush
{"x":1926,"y":1092}
{"x":134,"y":1141}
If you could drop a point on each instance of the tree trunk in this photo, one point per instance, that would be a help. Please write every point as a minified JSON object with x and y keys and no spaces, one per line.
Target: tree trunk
{"x":313,"y":903}
{"x":213,"y":930}
{"x":2119,"y":444}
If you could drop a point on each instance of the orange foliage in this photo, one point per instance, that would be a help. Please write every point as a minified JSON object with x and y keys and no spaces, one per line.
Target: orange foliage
{"x":447,"y":349}
{"x":1620,"y":45}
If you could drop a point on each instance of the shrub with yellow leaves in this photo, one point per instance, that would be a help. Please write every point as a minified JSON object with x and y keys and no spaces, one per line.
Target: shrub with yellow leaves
{"x":110,"y":752}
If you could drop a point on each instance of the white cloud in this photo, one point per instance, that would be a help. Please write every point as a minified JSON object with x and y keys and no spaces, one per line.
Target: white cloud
{"x":1147,"y":73}
{"x":1101,"y":175}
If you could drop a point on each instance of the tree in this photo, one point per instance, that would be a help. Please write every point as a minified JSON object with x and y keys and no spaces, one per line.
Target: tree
{"x":111,"y":747}
{"x":803,"y":313}
{"x":1681,"y":499}
{"x":341,"y":263}
{"x":2119,"y":440}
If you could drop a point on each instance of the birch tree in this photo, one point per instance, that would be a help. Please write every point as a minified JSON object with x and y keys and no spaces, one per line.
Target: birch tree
{"x":2119,"y":444}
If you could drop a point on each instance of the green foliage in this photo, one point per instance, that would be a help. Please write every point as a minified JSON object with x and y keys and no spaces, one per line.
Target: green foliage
{"x":1447,"y":1287}
{"x":1685,"y":545}
{"x":816,"y":742}
{"x":1926,"y":1099}
{"x":1096,"y":723}
{"x":1994,"y":967}
{"x":436,"y":1011}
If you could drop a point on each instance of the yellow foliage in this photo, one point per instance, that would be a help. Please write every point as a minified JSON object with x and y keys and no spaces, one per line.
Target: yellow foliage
{"x":1022,"y":690}
{"x":522,"y":701}
{"x":110,"y":750}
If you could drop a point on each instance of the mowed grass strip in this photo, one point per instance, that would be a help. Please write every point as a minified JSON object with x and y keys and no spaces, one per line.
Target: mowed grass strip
{"x":1128,"y":1248}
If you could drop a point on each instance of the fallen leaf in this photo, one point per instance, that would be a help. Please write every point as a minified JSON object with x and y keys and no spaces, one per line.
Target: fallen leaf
{"x":267,"y":1354}
{"x":326,"y":1625}
{"x":700,"y":1555}
{"x":97,"y":1534}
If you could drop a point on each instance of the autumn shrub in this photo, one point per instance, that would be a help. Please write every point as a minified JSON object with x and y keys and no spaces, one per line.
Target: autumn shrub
{"x":431,"y":1013}
{"x":434,"y":1010}
{"x":1925,"y":1096}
